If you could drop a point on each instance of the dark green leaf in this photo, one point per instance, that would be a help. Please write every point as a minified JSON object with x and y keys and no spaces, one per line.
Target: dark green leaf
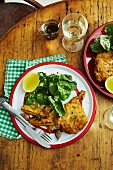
{"x":64,"y":89}
{"x":65,"y":77}
{"x":68,"y":78}
{"x":42,"y":99}
{"x":109,"y":29}
{"x":43,"y":80}
{"x":30,"y":98}
{"x":57,"y":105}
{"x":96,"y":46}
{"x":73,"y":85}
{"x":53,"y":89}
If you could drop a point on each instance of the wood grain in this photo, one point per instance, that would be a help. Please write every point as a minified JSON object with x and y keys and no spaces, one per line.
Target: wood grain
{"x":11,"y":13}
{"x":95,"y":150}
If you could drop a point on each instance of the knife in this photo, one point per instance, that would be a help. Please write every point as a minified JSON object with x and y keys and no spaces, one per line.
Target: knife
{"x":34,"y":134}
{"x":28,"y":127}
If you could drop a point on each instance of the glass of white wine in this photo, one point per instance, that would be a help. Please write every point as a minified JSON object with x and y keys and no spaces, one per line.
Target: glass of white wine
{"x":108,"y":117}
{"x":74,"y":27}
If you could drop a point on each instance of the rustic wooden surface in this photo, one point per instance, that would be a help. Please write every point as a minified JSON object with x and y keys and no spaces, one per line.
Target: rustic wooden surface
{"x":95,"y":150}
{"x":11,"y":13}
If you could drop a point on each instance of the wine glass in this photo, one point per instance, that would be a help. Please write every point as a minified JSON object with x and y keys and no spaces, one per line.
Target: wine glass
{"x":108,"y":117}
{"x":74,"y":27}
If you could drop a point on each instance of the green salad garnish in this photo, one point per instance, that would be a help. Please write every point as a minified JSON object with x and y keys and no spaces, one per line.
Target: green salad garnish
{"x":52,"y":90}
{"x":104,"y":42}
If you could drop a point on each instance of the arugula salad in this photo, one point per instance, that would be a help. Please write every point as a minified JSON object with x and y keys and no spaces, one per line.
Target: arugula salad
{"x":105,"y":41}
{"x":52,"y":90}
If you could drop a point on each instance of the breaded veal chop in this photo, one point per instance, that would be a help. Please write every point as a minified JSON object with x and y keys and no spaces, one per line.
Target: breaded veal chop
{"x":74,"y":119}
{"x":103,"y":66}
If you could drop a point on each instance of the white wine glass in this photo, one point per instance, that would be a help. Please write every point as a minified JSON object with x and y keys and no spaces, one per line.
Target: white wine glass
{"x":74,"y":27}
{"x":108,"y":117}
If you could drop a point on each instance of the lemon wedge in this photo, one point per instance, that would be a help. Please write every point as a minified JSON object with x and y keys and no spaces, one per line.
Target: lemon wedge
{"x":109,"y":84}
{"x":30,"y":82}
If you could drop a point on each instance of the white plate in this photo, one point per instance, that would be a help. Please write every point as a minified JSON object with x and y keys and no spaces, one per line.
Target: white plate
{"x":89,"y":102}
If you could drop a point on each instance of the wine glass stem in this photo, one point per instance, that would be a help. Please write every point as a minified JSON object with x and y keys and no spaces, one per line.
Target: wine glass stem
{"x":111,"y":118}
{"x":111,"y":115}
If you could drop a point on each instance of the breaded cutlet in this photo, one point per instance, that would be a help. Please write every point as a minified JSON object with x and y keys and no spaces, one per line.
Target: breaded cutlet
{"x":103,"y":66}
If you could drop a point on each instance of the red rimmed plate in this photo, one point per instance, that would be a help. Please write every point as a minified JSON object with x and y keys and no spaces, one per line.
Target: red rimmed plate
{"x":89,"y":61}
{"x":89,"y":102}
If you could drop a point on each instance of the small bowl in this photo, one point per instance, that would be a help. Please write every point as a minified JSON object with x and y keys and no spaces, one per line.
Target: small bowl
{"x":50,"y":29}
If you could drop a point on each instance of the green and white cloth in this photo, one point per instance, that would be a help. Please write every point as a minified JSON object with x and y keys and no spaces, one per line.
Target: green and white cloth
{"x":14,"y":68}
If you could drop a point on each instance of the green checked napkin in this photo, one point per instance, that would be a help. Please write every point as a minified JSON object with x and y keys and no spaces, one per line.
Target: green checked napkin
{"x":14,"y":68}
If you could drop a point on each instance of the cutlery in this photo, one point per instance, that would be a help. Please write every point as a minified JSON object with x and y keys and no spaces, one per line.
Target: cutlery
{"x":37,"y":134}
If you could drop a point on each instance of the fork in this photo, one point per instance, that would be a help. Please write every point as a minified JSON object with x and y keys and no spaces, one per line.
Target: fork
{"x":37,"y":134}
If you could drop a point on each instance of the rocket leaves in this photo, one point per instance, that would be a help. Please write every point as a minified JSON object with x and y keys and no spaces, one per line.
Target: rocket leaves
{"x":52,"y":90}
{"x":104,"y":42}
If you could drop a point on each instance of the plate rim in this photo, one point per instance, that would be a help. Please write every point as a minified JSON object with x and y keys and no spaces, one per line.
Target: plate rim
{"x":93,"y":109}
{"x":84,"y":59}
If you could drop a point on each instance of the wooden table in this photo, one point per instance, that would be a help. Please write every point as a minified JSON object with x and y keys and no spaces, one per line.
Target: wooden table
{"x":11,"y":13}
{"x":95,"y":150}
